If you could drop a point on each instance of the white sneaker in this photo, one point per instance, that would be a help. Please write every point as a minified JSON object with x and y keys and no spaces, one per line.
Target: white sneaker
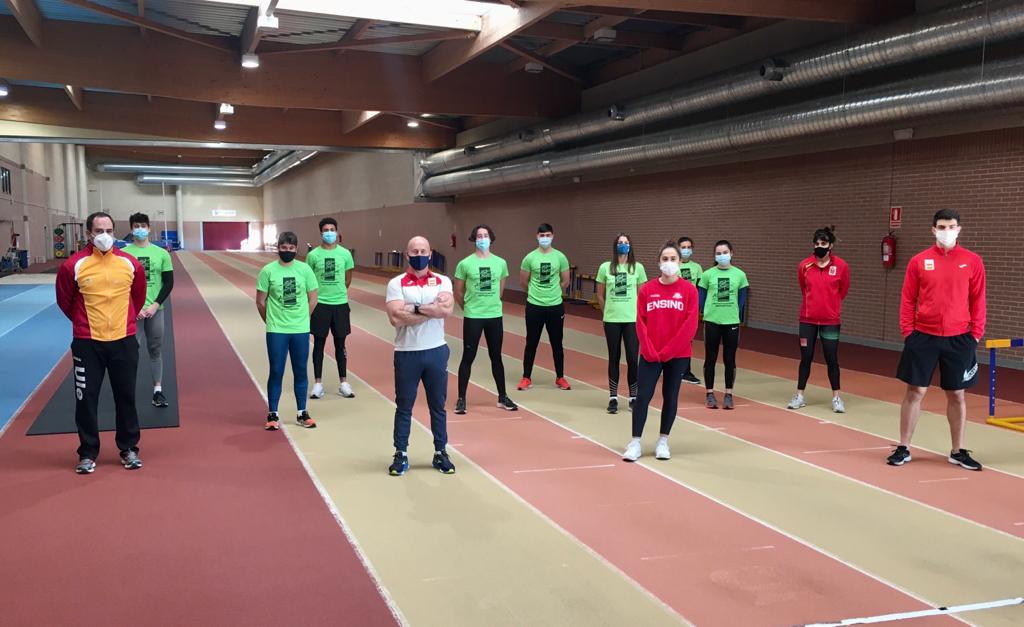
{"x":661,"y":450}
{"x":837,"y":405}
{"x":632,"y":451}
{"x":796,"y":402}
{"x":346,"y":390}
{"x":318,"y":391}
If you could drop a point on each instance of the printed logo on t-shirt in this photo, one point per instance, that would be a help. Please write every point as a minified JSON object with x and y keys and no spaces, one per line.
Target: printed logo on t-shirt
{"x":666,"y":303}
{"x":330,"y":270}
{"x":289,"y":292}
{"x":685,"y":274}
{"x":545,"y":273}
{"x":929,"y":264}
{"x":621,"y":284}
{"x":433,"y":282}
{"x":147,"y":265}
{"x":723,"y":290}
{"x":963,"y":265}
{"x":485,"y":280}
{"x":833,"y":271}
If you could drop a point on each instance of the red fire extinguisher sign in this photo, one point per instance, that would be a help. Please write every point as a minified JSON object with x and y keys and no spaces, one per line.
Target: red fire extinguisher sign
{"x":895,"y":217}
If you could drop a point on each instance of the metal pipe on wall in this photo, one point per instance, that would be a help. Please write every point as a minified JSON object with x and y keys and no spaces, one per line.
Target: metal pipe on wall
{"x":70,"y":191}
{"x":179,"y":212}
{"x":83,"y":181}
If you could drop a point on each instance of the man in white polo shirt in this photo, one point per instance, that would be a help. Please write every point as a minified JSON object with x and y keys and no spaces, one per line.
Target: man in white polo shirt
{"x":418,"y":301}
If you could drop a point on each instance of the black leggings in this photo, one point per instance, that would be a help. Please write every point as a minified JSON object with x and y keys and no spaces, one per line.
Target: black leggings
{"x":829,"y":348}
{"x":617,"y":334}
{"x":673,"y":376}
{"x":333,"y":320}
{"x":472,"y":329}
{"x":538,"y":317}
{"x":729,"y":336}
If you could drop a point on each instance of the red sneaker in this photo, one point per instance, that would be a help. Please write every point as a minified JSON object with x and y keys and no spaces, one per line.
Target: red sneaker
{"x":525,"y":384}
{"x":562,"y":384}
{"x":273,"y":423}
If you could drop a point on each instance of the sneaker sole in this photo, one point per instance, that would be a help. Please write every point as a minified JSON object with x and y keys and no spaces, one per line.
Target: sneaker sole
{"x":159,"y":404}
{"x":500,"y":406}
{"x":315,"y":396}
{"x":956,"y":463}
{"x":907,"y":459}
{"x":85,"y":472}
{"x":524,"y":389}
{"x":800,"y":406}
{"x":346,"y":396}
{"x":665,"y":457}
{"x":271,"y":428}
{"x":305,"y":426}
{"x":131,"y":466}
{"x":629,"y":459}
{"x":445,"y":472}
{"x":397,"y":474}
{"x":612,"y":411}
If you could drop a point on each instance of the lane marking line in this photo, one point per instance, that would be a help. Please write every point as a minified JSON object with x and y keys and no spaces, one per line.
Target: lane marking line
{"x":563,"y":468}
{"x":847,"y":450}
{"x":938,"y":611}
{"x":940,"y":480}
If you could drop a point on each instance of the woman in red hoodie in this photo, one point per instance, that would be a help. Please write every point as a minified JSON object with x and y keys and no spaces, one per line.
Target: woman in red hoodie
{"x":824,"y":281}
{"x":666,"y":322}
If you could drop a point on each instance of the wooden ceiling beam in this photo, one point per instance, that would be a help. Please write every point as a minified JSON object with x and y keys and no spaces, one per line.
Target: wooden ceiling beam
{"x":557,"y":46}
{"x":536,"y":58}
{"x":497,"y":27}
{"x":116,"y":58}
{"x":670,"y":17}
{"x":29,"y":17}
{"x":366,"y":43}
{"x":75,"y":94}
{"x":845,"y":11}
{"x":353,"y":34}
{"x":351,"y":120}
{"x":193,"y":121}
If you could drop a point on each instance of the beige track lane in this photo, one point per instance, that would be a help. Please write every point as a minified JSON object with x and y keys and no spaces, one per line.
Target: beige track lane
{"x":439,"y":544}
{"x":998,"y":449}
{"x":940,"y":558}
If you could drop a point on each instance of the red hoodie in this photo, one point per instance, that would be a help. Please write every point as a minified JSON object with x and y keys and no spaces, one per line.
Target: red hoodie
{"x":666,"y":319}
{"x":823,"y":289}
{"x":944,"y":293}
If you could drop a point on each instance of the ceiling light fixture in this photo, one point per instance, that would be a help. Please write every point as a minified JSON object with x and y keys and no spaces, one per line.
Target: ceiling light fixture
{"x":220,"y":124}
{"x":532,"y":67}
{"x":604,"y":35}
{"x":5,"y":88}
{"x":250,"y":61}
{"x":412,"y":124}
{"x":226,"y":109}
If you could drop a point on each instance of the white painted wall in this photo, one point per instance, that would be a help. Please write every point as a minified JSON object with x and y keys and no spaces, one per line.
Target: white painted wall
{"x":120,"y":196}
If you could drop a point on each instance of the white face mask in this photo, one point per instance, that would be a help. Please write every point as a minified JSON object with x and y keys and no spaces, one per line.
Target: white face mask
{"x":947,"y":238}
{"x":103,"y":241}
{"x":669,"y":268}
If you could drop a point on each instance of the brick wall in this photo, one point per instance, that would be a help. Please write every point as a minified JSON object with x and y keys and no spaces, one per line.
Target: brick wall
{"x":769,"y":210}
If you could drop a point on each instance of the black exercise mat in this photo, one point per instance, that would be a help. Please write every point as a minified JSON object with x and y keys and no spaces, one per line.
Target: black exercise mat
{"x":59,"y":414}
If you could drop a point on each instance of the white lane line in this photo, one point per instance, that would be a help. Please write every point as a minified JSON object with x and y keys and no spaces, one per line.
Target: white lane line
{"x":938,"y":611}
{"x":847,"y":450}
{"x":518,"y":472}
{"x":484,"y":419}
{"x":940,"y":480}
{"x":1018,"y":524}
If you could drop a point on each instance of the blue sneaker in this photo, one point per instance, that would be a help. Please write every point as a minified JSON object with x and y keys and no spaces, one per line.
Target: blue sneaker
{"x":443,"y":464}
{"x":399,"y":465}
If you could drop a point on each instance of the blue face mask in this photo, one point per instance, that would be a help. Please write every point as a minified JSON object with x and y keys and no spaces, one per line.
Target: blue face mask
{"x":723,"y":259}
{"x":483,"y":243}
{"x":329,"y":237}
{"x":622,"y":249}
{"x":685,"y":252}
{"x":545,"y":242}
{"x":140,"y":233}
{"x":419,"y":262}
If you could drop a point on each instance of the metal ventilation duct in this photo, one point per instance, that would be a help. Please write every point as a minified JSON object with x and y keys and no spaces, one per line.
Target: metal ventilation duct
{"x":971,"y":89}
{"x":960,"y":26}
{"x":154,"y":168}
{"x":257,"y":176}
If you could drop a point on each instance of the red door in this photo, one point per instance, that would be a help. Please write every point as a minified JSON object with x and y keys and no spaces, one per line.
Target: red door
{"x":224,"y":235}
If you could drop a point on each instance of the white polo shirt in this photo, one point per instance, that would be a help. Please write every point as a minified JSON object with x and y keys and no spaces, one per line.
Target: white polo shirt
{"x":422,"y":290}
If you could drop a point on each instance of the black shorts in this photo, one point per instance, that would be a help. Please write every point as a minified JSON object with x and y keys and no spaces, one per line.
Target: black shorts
{"x":955,"y":356}
{"x":330,"y":318}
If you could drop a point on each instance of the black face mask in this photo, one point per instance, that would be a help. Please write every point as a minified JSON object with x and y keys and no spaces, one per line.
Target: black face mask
{"x":821,"y":251}
{"x":286,"y":256}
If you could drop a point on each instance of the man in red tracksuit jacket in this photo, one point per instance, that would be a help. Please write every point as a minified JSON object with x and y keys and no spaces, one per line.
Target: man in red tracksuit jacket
{"x":942,"y":317}
{"x":102,"y":290}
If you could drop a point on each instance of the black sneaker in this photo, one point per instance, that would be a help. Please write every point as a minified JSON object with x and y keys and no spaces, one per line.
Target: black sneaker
{"x":159,"y":400}
{"x":460,"y":406}
{"x":399,"y":465}
{"x":85,"y":466}
{"x":631,"y":401}
{"x":902,"y":455}
{"x":506,"y":403}
{"x":711,"y":402}
{"x":613,"y":405}
{"x":130,"y":460}
{"x":305,"y":420}
{"x":442,"y":463}
{"x":727,"y":401}
{"x":963,"y":458}
{"x":689,"y":377}
{"x":273,"y":422}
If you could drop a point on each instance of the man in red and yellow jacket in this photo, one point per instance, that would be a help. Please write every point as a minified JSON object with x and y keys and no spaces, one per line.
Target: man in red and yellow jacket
{"x":942,"y":318}
{"x":101,"y":290}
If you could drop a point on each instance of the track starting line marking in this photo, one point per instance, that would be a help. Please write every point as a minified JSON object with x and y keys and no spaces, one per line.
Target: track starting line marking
{"x":938,"y":611}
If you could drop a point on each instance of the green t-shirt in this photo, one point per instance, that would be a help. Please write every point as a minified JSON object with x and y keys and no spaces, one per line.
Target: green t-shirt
{"x":620,"y":290}
{"x":330,"y":267}
{"x":483,"y":282}
{"x":690,"y":270}
{"x":545,"y":270}
{"x":287,"y":302}
{"x":722,"y":305}
{"x":155,"y":261}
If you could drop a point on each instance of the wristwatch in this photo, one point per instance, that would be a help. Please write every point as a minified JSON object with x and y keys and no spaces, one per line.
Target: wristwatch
{"x":416,"y":308}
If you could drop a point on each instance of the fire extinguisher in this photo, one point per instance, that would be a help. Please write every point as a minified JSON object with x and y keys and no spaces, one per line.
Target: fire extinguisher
{"x":889,"y":251}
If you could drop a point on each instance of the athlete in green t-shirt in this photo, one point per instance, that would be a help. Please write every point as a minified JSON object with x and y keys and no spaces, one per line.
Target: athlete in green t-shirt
{"x":285,"y":295}
{"x":544,"y":273}
{"x":723,"y":295}
{"x":691,"y":271}
{"x":332,"y":264}
{"x":617,"y":284}
{"x":159,"y":281}
{"x":479,"y":283}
